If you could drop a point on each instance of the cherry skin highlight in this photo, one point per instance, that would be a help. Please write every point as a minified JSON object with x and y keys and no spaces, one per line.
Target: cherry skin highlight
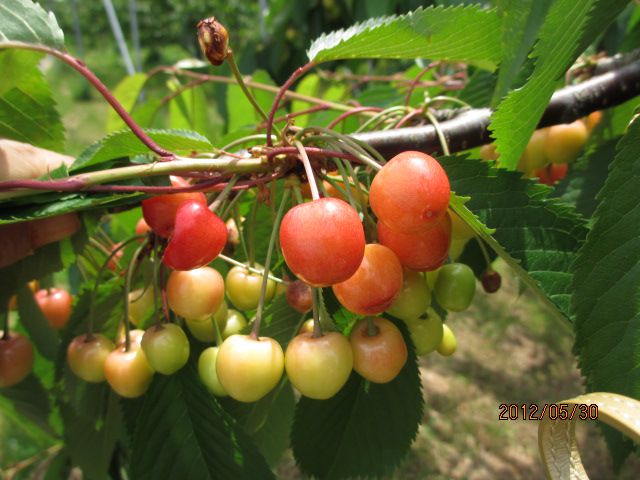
{"x":422,"y":251}
{"x":55,"y":304}
{"x":86,"y":356}
{"x":410,"y":193}
{"x":198,"y":237}
{"x":160,"y":212}
{"x":195,"y":294}
{"x":378,"y":357}
{"x":16,"y":359}
{"x":322,"y":241}
{"x":319,"y":367}
{"x":376,"y":283}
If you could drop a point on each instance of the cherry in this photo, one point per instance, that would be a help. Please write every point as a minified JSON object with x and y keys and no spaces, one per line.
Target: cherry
{"x":552,"y":174}
{"x":413,"y":299}
{"x":135,"y":336}
{"x":333,"y":192}
{"x":128,"y":372}
{"x":208,"y":373}
{"x":166,"y":347}
{"x":199,"y":236}
{"x":421,"y":251}
{"x":449,"y":343}
{"x":160,"y":212}
{"x":86,"y":355}
{"x":140,"y":305}
{"x":455,"y":287}
{"x":243,"y":287}
{"x":249,"y":368}
{"x":113,"y":263}
{"x":34,"y":286}
{"x":376,"y":283}
{"x":55,"y":304}
{"x":378,"y":356}
{"x":318,"y":367}
{"x":534,"y":155}
{"x":142,"y":228}
{"x":565,"y":142}
{"x":426,"y":333}
{"x":195,"y":294}
{"x":488,"y":152}
{"x":306,"y":327}
{"x":491,"y":281}
{"x":235,"y":324}
{"x":16,"y":359}
{"x":322,"y":241}
{"x":203,"y":329}
{"x":460,"y":230}
{"x":299,"y":296}
{"x":410,"y":192}
{"x":592,"y":120}
{"x":456,"y":248}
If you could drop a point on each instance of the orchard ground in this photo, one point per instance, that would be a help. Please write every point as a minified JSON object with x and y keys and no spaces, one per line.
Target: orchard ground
{"x":510,"y":350}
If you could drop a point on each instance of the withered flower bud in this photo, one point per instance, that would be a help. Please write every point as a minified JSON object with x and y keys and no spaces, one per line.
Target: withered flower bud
{"x":213,"y":39}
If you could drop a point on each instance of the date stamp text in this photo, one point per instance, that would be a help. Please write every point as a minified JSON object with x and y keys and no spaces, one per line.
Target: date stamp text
{"x":552,"y":411}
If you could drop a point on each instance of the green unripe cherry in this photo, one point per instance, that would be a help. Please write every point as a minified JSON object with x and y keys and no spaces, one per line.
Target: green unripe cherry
{"x":455,"y":287}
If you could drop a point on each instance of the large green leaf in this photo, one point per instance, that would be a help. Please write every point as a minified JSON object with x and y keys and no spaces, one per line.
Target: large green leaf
{"x":181,"y":431}
{"x":365,"y":430}
{"x":562,"y":38}
{"x":466,"y":34}
{"x":127,"y":93}
{"x":537,"y":235}
{"x":26,"y":21}
{"x":240,"y":111}
{"x":30,"y":400}
{"x":125,"y":144}
{"x":607,"y":282}
{"x":33,"y":320}
{"x":27,"y":108}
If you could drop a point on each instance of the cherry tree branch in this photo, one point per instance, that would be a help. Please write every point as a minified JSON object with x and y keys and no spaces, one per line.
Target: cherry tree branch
{"x":469,"y":128}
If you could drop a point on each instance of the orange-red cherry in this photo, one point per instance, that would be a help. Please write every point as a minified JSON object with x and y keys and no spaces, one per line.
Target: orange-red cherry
{"x":160,"y":212}
{"x":198,"y":237}
{"x":16,"y":359}
{"x":423,"y":251}
{"x":322,"y":241}
{"x":55,"y":304}
{"x":376,"y":283}
{"x":410,"y":193}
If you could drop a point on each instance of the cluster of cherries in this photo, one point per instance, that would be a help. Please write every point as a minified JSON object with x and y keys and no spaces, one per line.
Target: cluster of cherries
{"x":550,"y":150}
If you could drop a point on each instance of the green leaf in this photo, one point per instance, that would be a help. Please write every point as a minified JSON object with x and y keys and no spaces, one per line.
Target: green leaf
{"x":521,"y":21}
{"x":182,"y":432}
{"x":240,"y":111}
{"x":478,"y":90}
{"x":606,"y":280}
{"x":465,"y":34}
{"x":189,"y":111}
{"x":40,"y":332}
{"x":561,"y":40}
{"x":127,"y":93}
{"x":30,"y":400}
{"x":27,"y":108}
{"x":91,"y":439}
{"x":26,"y":21}
{"x":365,"y":430}
{"x":125,"y":144}
{"x":538,"y":236}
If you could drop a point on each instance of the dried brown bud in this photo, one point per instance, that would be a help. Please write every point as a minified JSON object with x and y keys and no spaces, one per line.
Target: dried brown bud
{"x":213,"y":39}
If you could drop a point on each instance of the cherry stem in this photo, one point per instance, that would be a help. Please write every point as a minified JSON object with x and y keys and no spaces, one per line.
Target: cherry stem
{"x":307,"y":111}
{"x":267,"y":263}
{"x":372,"y":328}
{"x":235,"y":262}
{"x":317,"y":329}
{"x":79,"y":66}
{"x":311,"y":151}
{"x":156,"y":278}
{"x":416,"y":81}
{"x":355,"y":111}
{"x":346,"y":182}
{"x":253,"y":214}
{"x":163,"y":295}
{"x":103,"y":267}
{"x":483,"y":249}
{"x":441,"y":136}
{"x":223,"y":194}
{"x":243,"y":86}
{"x":283,"y":89}
{"x":216,"y":329}
{"x":127,"y":289}
{"x":308,"y":170}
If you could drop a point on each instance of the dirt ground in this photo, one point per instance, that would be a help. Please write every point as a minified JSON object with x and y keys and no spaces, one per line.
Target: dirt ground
{"x":510,"y":350}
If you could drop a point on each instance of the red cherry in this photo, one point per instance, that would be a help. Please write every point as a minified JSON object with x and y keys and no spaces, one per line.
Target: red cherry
{"x":322,"y":241}
{"x":552,"y":173}
{"x":198,"y":237}
{"x":422,"y":251}
{"x":160,"y":212}
{"x":491,"y":281}
{"x":410,"y":193}
{"x":375,"y":284}
{"x":16,"y":359}
{"x":142,"y":227}
{"x":55,"y":305}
